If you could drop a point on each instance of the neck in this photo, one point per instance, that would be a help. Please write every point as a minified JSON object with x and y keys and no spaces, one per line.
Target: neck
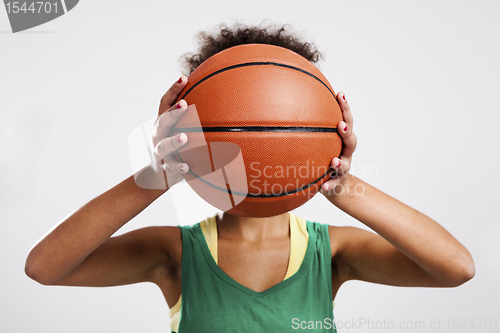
{"x":253,"y":228}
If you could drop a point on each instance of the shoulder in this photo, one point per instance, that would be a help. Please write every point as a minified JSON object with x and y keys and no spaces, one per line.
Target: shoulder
{"x":342,"y":237}
{"x":358,"y":253}
{"x":165,"y":238}
{"x":171,"y":238}
{"x":341,"y":241}
{"x":339,"y":237}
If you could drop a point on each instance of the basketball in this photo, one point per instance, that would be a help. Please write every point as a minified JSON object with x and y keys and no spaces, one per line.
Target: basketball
{"x":262,"y":130}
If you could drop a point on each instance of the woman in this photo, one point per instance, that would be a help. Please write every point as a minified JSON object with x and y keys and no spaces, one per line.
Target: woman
{"x":232,"y":273}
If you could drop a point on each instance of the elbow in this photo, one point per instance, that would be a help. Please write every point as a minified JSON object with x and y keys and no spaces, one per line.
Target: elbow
{"x":34,"y":274}
{"x":468,"y":271}
{"x":37,"y":274}
{"x":462,"y":272}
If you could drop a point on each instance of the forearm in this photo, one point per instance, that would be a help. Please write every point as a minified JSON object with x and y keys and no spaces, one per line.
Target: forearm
{"x":78,"y":235}
{"x":414,"y":234}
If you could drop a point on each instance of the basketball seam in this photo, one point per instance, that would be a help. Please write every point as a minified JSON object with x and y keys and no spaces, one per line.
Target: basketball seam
{"x":271,"y":129}
{"x":257,"y":63}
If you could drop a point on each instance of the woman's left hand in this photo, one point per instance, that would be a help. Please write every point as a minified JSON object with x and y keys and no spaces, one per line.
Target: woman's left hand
{"x":342,"y":164}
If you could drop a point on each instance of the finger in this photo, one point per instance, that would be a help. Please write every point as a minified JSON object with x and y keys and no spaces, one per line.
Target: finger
{"x":341,"y":166}
{"x":349,"y":140}
{"x":168,"y":119}
{"x":330,"y":184}
{"x":168,"y":146}
{"x":346,"y":110}
{"x":171,"y":165}
{"x":171,"y":95}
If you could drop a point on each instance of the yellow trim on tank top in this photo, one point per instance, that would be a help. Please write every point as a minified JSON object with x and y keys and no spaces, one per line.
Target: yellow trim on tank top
{"x":298,"y":246}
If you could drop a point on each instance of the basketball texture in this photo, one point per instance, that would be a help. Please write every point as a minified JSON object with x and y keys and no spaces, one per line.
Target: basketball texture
{"x":262,"y":130}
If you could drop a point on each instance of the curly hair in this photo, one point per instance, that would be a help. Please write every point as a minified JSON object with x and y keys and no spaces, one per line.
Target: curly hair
{"x":226,"y":37}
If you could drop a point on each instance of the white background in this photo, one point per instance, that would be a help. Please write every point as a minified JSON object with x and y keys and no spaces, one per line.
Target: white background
{"x":422,"y":79}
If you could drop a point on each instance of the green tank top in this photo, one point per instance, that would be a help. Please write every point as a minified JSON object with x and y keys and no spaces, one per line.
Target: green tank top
{"x":214,"y":302}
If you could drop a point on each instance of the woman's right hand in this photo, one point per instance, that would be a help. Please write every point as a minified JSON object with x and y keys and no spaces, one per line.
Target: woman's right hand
{"x":165,"y":145}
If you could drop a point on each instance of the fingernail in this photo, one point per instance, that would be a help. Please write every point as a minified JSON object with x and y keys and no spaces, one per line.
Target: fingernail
{"x":343,"y":96}
{"x":338,"y":164}
{"x":326,"y":187}
{"x":179,"y":138}
{"x":181,"y":168}
{"x":345,"y":129}
{"x":179,"y":105}
{"x":180,"y":81}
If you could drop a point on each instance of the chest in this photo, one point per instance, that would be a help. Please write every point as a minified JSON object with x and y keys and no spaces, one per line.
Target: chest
{"x":257,"y":266}
{"x":245,"y":291}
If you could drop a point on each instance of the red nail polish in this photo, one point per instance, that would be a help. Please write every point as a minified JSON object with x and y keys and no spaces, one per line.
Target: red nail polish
{"x":345,"y":129}
{"x":338,"y":164}
{"x":343,"y":96}
{"x":178,"y":106}
{"x":179,"y":138}
{"x":180,"y":81}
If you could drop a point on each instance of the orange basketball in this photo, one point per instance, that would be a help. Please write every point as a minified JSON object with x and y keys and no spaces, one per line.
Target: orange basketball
{"x":262,"y":130}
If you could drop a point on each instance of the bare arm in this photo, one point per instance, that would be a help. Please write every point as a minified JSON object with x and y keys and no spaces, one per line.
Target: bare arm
{"x":78,"y":236}
{"x":79,"y":250}
{"x":408,"y":248}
